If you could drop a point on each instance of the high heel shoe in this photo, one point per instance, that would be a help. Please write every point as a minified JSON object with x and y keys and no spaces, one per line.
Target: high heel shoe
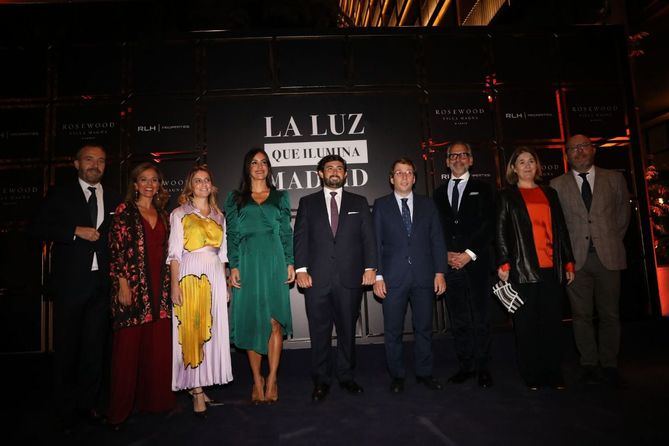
{"x":272,"y":395}
{"x":258,"y":395}
{"x":202,"y":414}
{"x":210,"y":402}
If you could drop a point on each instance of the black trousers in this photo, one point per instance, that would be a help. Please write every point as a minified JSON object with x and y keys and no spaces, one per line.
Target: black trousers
{"x":81,"y":329}
{"x":468,"y":302}
{"x":538,"y":328}
{"x":327,"y":306}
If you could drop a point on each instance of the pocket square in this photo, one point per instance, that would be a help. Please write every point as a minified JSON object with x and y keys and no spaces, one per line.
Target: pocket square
{"x":473,"y":193}
{"x":353,"y":212}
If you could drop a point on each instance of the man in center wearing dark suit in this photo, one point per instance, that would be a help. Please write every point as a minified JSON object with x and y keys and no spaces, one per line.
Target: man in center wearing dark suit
{"x":467,"y":210}
{"x":75,"y":218}
{"x":412,"y":263}
{"x":335,"y":255}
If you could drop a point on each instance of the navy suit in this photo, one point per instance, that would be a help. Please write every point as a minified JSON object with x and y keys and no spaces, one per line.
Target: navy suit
{"x":408,"y":264}
{"x":469,"y":294}
{"x":336,"y":265}
{"x":82,"y":308}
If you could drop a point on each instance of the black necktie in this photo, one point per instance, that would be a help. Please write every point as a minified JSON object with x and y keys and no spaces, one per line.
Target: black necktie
{"x":93,"y":207}
{"x":586,"y":191}
{"x":455,"y":196}
{"x":406,"y":215}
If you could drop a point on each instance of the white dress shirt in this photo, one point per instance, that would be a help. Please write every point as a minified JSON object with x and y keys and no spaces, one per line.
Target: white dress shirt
{"x":461,"y":188}
{"x":591,"y":178}
{"x":101,"y":210}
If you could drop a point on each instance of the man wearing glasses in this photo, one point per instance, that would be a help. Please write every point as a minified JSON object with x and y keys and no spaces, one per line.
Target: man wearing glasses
{"x":596,"y":207}
{"x":467,"y":211}
{"x":412,"y":263}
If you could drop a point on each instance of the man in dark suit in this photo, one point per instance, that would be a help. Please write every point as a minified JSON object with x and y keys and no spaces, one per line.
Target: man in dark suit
{"x":335,"y":255}
{"x":75,"y":218}
{"x":412,"y":263}
{"x":467,"y":212}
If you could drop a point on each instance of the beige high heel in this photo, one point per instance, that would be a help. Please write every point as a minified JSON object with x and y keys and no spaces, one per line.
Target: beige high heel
{"x":258,"y":394}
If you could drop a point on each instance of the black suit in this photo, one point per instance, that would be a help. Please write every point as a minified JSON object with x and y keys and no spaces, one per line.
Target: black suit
{"x":336,"y":265}
{"x":81,"y":296}
{"x":408,"y":264}
{"x":468,"y":293}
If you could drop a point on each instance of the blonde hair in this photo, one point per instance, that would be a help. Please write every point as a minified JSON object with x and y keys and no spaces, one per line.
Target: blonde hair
{"x":511,"y":176}
{"x":186,"y":195}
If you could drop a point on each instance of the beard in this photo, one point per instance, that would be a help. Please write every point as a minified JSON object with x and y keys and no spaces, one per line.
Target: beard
{"x":92,"y":176}
{"x":333,"y":182}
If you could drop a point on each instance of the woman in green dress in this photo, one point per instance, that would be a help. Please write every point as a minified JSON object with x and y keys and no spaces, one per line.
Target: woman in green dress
{"x":260,"y":253}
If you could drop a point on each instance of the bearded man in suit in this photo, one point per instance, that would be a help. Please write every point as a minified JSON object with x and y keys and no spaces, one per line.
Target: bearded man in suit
{"x":75,"y":218}
{"x":335,"y":256}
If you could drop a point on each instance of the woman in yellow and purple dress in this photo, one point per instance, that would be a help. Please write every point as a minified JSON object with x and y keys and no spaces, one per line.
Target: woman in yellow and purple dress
{"x":197,"y":256}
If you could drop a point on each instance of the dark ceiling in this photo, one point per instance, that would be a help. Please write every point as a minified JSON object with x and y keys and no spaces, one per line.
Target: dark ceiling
{"x":94,"y":21}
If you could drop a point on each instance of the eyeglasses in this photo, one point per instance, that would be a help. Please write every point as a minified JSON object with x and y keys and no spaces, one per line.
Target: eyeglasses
{"x":403,"y":173}
{"x":579,"y":147}
{"x":461,"y":155}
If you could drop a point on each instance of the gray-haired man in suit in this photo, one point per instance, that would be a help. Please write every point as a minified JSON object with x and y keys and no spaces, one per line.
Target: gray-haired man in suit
{"x":596,"y":207}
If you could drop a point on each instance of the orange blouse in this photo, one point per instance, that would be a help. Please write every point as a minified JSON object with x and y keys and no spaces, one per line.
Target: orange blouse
{"x":542,"y":228}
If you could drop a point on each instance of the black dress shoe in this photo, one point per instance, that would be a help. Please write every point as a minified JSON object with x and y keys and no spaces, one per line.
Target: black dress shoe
{"x":351,"y":387}
{"x":397,"y":385}
{"x":591,"y":375}
{"x":320,"y":392}
{"x":461,"y":377}
{"x":92,"y":416}
{"x":611,"y":376}
{"x":430,"y":382}
{"x":485,"y":380}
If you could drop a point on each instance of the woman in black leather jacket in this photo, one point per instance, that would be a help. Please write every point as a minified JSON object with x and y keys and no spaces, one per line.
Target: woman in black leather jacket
{"x":534,"y":253}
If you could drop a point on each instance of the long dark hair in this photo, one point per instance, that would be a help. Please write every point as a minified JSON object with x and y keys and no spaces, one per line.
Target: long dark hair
{"x":243,"y":194}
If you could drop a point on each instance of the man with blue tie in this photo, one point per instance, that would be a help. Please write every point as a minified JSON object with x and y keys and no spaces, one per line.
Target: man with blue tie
{"x":412,"y":263}
{"x":467,"y":211}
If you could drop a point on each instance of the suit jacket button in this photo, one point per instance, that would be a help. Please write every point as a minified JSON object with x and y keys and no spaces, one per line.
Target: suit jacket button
{"x":456,"y":221}
{"x":589,"y":221}
{"x":587,"y":238}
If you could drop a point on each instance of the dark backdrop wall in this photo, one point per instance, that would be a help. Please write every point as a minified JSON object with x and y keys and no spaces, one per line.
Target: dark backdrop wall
{"x":368,"y":96}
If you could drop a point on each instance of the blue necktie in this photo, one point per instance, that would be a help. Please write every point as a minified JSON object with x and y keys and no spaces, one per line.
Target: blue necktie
{"x":406,"y":215}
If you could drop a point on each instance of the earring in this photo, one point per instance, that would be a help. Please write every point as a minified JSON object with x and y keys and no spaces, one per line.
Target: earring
{"x":136,"y":194}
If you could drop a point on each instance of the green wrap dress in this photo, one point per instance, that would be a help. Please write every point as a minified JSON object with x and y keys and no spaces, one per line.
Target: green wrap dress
{"x":260,"y":245}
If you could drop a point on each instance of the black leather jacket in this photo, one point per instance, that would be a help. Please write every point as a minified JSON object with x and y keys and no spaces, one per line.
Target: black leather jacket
{"x":514,"y":240}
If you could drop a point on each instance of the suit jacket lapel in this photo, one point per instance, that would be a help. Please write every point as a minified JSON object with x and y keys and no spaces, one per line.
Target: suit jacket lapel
{"x":416,"y":214}
{"x":464,"y":199}
{"x":599,"y":188}
{"x":322,"y":211}
{"x":343,"y":211}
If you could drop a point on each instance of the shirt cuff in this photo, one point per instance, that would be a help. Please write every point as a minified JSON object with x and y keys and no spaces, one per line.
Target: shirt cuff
{"x":569,"y":267}
{"x":301,"y":270}
{"x":471,"y":254}
{"x":505,"y":267}
{"x":379,"y":277}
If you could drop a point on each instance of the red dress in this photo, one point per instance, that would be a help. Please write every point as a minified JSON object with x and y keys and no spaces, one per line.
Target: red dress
{"x":142,"y":354}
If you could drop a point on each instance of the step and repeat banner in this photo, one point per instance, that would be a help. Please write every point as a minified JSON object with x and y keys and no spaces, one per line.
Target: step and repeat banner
{"x":369,"y":131}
